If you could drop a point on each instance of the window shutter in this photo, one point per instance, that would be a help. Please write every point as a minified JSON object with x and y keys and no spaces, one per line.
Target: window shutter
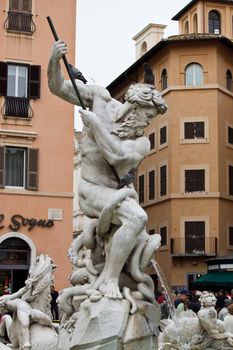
{"x":32,"y":169}
{"x":34,"y":82}
{"x":14,"y":5}
{"x":2,"y":166}
{"x":26,"y":6}
{"x":3,"y":78}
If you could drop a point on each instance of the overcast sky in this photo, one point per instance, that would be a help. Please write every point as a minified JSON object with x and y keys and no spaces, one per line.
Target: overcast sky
{"x":105,"y":29}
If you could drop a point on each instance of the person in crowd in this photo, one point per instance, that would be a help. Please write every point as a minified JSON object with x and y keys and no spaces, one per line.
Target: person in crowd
{"x":224,"y":311}
{"x":228,"y":320}
{"x":181,"y":300}
{"x":54,"y":306}
{"x":221,"y":296}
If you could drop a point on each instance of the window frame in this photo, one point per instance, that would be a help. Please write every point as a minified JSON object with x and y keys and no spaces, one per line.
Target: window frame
{"x":229,"y":80}
{"x":229,"y":125}
{"x":24,"y":167}
{"x":149,"y":171}
{"x":140,"y":176}
{"x":162,"y":195}
{"x":16,"y":76}
{"x":216,"y":12}
{"x":193,"y":66}
{"x":31,"y":168}
{"x":184,"y":120}
{"x":164,"y":144}
{"x":161,"y":225}
{"x":204,"y":167}
{"x":164,"y":79}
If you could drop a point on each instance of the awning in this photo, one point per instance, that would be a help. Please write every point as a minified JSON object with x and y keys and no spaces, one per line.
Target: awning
{"x":215,"y":279}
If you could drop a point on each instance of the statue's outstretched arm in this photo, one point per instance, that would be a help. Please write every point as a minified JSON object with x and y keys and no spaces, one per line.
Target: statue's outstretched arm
{"x":61,"y":87}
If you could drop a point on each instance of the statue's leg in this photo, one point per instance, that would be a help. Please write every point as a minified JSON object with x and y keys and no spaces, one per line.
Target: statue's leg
{"x":132,"y":220}
{"x":23,"y":318}
{"x":40,"y":317}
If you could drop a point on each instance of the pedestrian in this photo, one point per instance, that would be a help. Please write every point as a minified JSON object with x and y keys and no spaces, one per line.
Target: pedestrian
{"x":228,"y":320}
{"x":54,"y":306}
{"x":224,"y":311}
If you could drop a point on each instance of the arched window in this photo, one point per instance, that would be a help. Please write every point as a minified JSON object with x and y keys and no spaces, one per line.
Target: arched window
{"x":143,"y":48}
{"x":14,"y":264}
{"x":229,"y":80}
{"x":164,"y":80}
{"x":214,"y":22}
{"x":195,"y":26}
{"x":193,"y":74}
{"x":186,"y":27}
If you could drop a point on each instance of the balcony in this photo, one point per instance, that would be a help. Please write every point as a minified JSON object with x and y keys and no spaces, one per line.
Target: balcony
{"x":17,"y":107}
{"x":19,"y":22}
{"x":197,"y":246}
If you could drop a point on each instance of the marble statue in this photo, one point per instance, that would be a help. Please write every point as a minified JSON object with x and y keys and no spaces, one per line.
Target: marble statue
{"x":31,"y":327}
{"x":109,"y":286}
{"x":197,"y":332}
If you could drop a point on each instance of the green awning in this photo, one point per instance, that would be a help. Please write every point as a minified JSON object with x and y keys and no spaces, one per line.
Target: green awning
{"x":215,"y":279}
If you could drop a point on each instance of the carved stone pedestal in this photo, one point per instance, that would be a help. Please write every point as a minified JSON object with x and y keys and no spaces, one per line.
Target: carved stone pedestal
{"x":108,"y":325}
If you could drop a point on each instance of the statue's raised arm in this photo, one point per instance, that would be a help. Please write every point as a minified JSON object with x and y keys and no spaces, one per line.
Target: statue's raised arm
{"x":61,"y":87}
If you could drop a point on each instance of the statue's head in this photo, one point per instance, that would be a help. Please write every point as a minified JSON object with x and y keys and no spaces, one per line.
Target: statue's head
{"x":146,"y":96}
{"x":207,"y":299}
{"x":142,"y":103}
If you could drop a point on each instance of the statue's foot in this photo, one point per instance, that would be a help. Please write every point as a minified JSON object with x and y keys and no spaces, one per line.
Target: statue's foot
{"x":110,"y":289}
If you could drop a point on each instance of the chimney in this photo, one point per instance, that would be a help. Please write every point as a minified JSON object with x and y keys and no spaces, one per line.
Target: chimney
{"x":147,"y":38}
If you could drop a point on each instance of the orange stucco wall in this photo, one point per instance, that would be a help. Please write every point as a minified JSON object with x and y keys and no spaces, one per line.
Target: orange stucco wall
{"x":52,"y":123}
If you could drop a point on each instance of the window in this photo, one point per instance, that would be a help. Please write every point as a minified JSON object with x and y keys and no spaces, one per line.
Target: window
{"x":18,"y":167}
{"x":163,"y":234}
{"x":163,"y":135}
{"x":195,"y":180}
{"x":230,"y":135}
{"x":186,"y":28}
{"x":19,"y":83}
{"x":141,"y":188}
{"x":230,"y":172}
{"x":164,"y":80}
{"x":229,"y":80}
{"x":214,"y":22}
{"x":193,"y":75}
{"x":194,"y":130}
{"x":231,"y":235}
{"x":151,"y":232}
{"x":19,"y":17}
{"x":195,"y":237}
{"x":143,"y":48}
{"x":195,"y":24}
{"x":163,"y":180}
{"x":152,"y":140}
{"x":151,"y":184}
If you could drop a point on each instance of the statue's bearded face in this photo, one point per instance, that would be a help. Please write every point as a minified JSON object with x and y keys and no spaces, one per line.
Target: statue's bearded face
{"x":135,"y":120}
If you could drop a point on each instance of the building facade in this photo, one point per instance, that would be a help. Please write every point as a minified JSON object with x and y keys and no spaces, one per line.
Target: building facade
{"x":36,"y":141}
{"x":186,"y":183}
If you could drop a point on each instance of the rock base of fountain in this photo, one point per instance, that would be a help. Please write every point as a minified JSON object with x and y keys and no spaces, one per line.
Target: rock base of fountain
{"x":108,"y":325}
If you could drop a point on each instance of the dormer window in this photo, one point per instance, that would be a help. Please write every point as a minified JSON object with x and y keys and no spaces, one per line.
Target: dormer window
{"x":214,"y":22}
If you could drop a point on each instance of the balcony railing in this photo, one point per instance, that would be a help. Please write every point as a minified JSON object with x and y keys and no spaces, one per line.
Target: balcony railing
{"x":17,"y":107}
{"x":19,"y":22}
{"x":196,"y":246}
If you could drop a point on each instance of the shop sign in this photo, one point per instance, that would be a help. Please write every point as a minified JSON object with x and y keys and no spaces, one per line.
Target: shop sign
{"x":17,"y":221}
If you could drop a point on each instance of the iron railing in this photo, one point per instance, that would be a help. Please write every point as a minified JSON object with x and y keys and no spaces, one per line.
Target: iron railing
{"x":197,"y":246}
{"x":19,"y":22}
{"x":17,"y":107}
